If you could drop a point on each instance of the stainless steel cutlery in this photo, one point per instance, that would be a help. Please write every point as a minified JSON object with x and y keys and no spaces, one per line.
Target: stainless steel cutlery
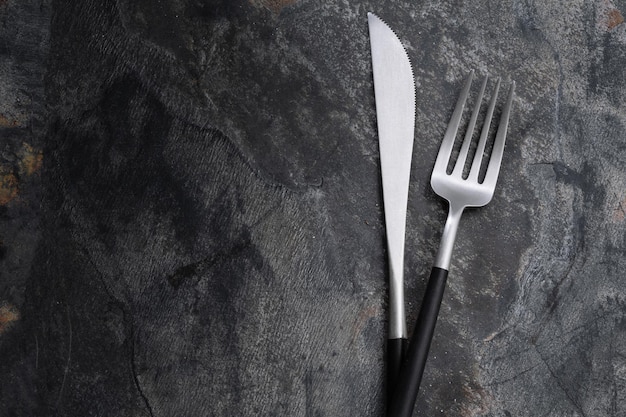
{"x":394,"y":89}
{"x":463,"y":185}
{"x":460,"y":192}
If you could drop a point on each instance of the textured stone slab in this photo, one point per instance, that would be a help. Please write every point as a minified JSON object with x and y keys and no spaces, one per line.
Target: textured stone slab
{"x":192,"y":223}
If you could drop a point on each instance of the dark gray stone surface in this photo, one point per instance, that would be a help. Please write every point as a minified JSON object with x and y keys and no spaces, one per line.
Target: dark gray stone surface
{"x":191,"y":220}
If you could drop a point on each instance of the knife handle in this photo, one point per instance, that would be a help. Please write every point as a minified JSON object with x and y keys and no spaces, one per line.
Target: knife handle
{"x":412,"y":369}
{"x":395,"y":354}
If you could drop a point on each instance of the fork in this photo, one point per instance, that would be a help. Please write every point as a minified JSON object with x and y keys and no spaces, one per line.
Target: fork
{"x":461,"y":192}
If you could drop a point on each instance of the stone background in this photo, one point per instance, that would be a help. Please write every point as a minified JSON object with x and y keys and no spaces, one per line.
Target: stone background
{"x":191,"y":212}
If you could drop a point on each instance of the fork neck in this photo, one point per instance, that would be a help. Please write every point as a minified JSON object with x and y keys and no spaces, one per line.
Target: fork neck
{"x":449,"y":235}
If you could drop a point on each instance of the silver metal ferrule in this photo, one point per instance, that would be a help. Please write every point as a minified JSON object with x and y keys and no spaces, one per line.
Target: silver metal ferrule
{"x":449,"y":236}
{"x":397,"y":319}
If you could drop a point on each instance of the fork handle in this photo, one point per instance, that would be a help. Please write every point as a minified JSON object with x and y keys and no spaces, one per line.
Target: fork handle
{"x":412,"y":369}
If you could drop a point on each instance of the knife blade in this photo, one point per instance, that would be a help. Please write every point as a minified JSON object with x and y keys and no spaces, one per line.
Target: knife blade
{"x":394,"y":90}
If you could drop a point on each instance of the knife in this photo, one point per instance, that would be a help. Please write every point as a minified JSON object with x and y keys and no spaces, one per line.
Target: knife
{"x":394,"y":90}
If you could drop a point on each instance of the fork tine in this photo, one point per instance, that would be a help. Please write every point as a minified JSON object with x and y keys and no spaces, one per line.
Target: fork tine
{"x":491,"y":176}
{"x":445,"y":150}
{"x":480,"y":148}
{"x":460,"y":162}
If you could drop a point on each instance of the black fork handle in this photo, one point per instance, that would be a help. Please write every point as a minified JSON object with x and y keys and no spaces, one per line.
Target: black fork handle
{"x":410,"y":376}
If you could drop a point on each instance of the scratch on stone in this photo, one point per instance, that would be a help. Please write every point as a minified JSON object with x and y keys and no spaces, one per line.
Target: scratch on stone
{"x":133,"y":366}
{"x":308,"y":391}
{"x":513,"y":377}
{"x":69,"y":357}
{"x":559,"y":383}
{"x":495,"y":334}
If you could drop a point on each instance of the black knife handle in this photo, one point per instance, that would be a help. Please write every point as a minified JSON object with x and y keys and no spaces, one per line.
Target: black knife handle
{"x":395,"y":354}
{"x":412,"y":369}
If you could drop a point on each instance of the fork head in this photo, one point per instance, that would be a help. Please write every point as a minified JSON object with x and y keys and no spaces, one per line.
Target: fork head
{"x":468,"y":191}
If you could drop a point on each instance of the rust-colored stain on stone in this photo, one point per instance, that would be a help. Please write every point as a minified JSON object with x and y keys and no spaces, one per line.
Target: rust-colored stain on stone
{"x":8,"y":186}
{"x":4,"y":121}
{"x":366,"y":313}
{"x":619,"y":214}
{"x":8,"y":316}
{"x":274,"y":5}
{"x":477,"y":401}
{"x":31,"y":159}
{"x":614,"y":18}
